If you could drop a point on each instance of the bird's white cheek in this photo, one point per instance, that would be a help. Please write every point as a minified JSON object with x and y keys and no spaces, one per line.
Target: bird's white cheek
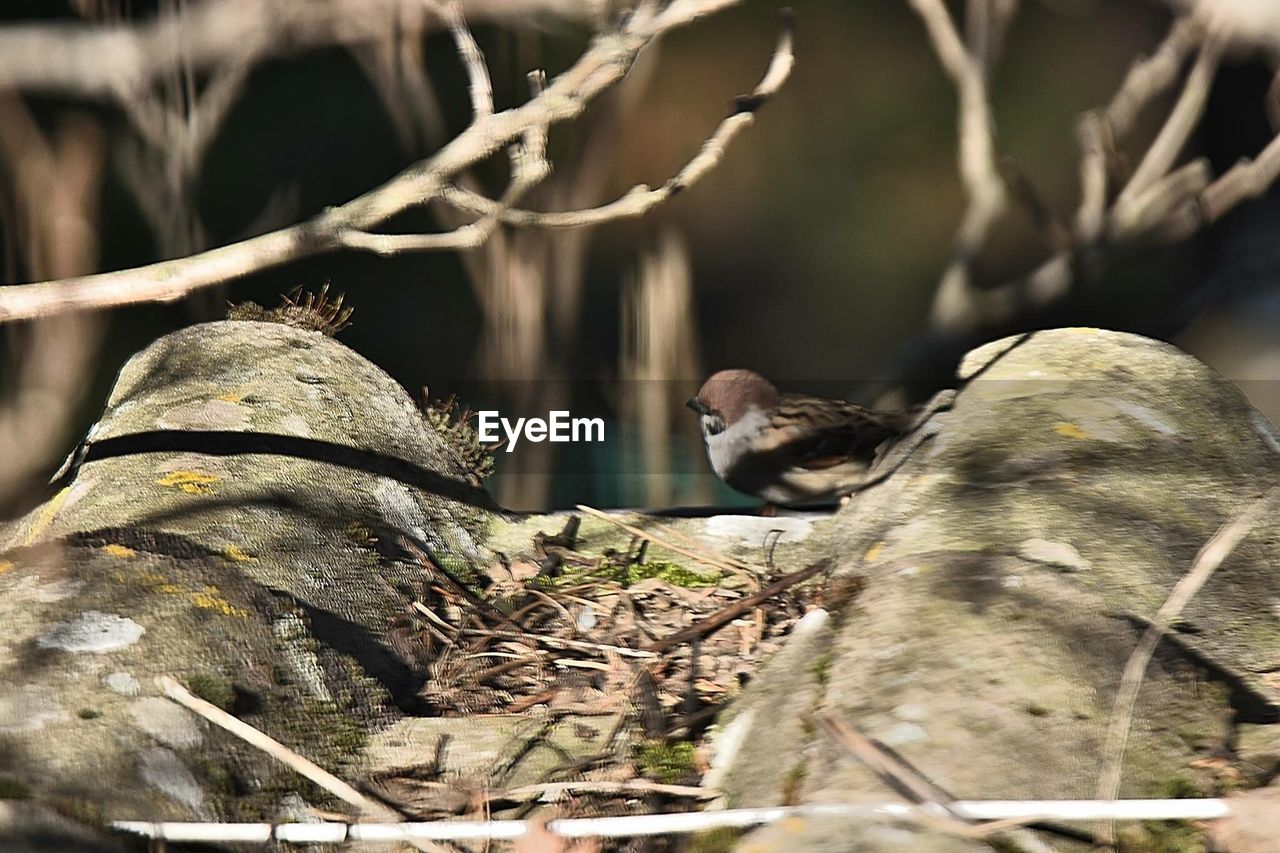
{"x":725,"y":448}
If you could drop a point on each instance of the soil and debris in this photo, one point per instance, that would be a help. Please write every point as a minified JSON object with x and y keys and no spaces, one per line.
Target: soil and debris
{"x":656,"y":645}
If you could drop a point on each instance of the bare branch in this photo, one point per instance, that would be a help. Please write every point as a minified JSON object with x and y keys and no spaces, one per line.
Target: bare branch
{"x":1177,"y":128}
{"x":641,"y":198}
{"x":1095,"y":142}
{"x":295,"y":762}
{"x":99,"y":61}
{"x":603,"y":64}
{"x":1146,"y":214}
{"x":1245,"y":180}
{"x":529,"y":165}
{"x":1156,"y":204}
{"x":55,"y":186}
{"x":979,"y":166}
{"x":1146,"y":79}
{"x":472,"y":59}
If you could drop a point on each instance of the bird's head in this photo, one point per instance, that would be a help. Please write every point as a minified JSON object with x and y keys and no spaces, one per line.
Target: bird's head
{"x":728,"y":396}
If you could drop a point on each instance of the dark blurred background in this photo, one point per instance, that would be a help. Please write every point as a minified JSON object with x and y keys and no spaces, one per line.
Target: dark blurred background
{"x":811,"y":253}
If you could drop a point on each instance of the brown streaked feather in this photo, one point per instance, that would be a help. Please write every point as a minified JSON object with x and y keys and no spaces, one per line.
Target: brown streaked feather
{"x":817,"y":433}
{"x":825,"y":462}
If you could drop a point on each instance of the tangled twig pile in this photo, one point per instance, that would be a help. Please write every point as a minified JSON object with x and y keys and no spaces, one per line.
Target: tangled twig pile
{"x":616,"y":634}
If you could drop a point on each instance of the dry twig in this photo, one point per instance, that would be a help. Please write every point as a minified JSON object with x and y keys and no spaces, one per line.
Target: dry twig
{"x":1207,"y":561}
{"x":935,"y":804}
{"x":969,"y":69}
{"x":54,"y":182}
{"x":640,"y":199}
{"x":271,"y":746}
{"x":727,"y":614}
{"x":550,"y":790}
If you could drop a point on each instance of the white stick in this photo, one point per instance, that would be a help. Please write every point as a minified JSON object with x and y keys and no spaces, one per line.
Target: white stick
{"x":1186,"y":809}
{"x":662,"y":824}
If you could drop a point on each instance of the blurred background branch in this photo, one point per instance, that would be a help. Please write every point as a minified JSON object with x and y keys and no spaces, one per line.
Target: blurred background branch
{"x":53,"y":208}
{"x":1155,"y":202}
{"x":66,"y":58}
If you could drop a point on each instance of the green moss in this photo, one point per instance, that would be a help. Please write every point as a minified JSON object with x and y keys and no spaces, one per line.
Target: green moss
{"x":822,"y":669}
{"x":333,"y":732}
{"x":82,"y":811}
{"x":14,"y":789}
{"x":215,"y":775}
{"x":1177,"y":788}
{"x":791,"y":784}
{"x":665,"y":761}
{"x":677,"y":575}
{"x":720,"y":840}
{"x":628,"y":573}
{"x":1166,"y":836}
{"x":459,"y":568}
{"x":213,"y":689}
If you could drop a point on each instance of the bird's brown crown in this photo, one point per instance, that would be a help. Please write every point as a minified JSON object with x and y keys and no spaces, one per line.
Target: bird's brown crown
{"x":733,"y":392}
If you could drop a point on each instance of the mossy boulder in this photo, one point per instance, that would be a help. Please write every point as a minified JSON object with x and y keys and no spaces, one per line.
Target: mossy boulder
{"x":235,"y":520}
{"x":1008,"y":567}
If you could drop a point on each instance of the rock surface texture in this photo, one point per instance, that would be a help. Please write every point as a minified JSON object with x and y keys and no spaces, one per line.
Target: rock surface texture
{"x":232,"y":520}
{"x":1008,"y":566}
{"x":238,"y":519}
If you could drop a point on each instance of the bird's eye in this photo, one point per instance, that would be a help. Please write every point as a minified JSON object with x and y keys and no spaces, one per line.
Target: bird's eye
{"x":712,"y":424}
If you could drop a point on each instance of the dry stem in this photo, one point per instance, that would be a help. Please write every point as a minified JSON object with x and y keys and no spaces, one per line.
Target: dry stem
{"x":1207,"y":561}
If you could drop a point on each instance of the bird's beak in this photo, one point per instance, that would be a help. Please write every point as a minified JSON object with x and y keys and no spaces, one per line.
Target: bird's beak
{"x":696,"y":405}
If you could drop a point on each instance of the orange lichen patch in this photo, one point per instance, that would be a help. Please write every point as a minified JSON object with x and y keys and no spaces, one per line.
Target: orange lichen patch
{"x":206,"y":598}
{"x":230,"y":398}
{"x":191,"y":482}
{"x":210,"y":599}
{"x":235,"y":555}
{"x":1070,"y":430}
{"x":874,"y":551}
{"x":6,"y":566}
{"x":118,"y":550}
{"x":157,"y":582}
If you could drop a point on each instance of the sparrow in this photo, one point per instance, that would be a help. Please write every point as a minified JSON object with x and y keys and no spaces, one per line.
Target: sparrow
{"x":790,"y":448}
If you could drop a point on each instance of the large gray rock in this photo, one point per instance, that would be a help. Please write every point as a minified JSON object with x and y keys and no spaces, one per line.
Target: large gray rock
{"x":232,"y":520}
{"x":1007,"y":567}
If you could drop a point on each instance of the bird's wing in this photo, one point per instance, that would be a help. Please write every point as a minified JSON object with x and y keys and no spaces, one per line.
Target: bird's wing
{"x":816,"y":433}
